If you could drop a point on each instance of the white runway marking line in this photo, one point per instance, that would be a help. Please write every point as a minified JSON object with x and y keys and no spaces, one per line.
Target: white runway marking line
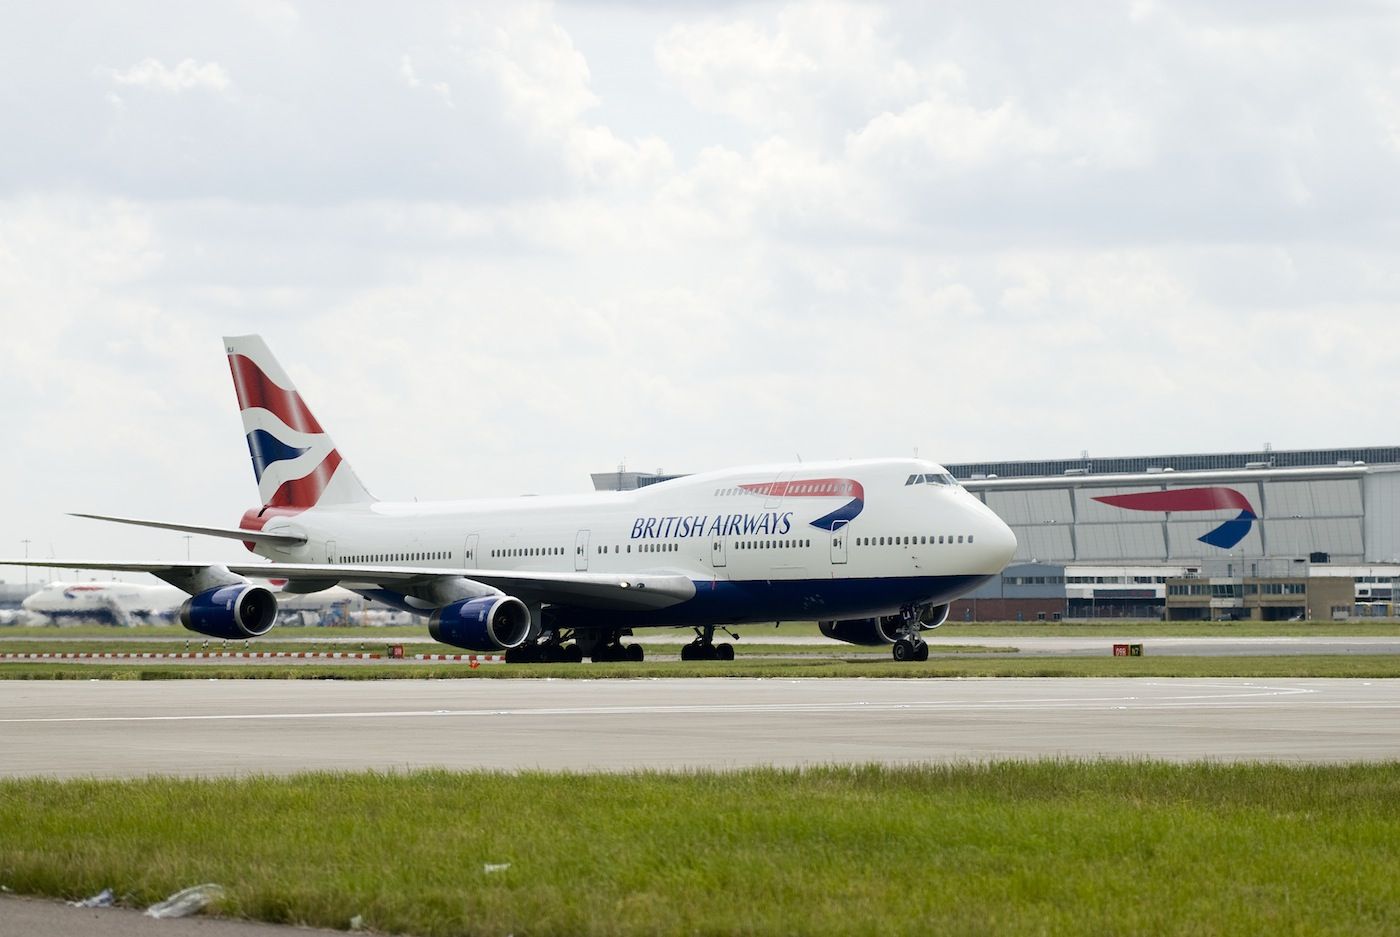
{"x":1247,"y":692}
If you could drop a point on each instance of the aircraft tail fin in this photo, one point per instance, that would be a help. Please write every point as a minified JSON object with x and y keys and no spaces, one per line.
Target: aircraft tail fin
{"x":294,"y":460}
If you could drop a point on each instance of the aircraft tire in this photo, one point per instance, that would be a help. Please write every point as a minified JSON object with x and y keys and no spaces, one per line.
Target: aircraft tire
{"x":724,"y":651}
{"x":903,"y":650}
{"x":921,"y":652}
{"x":635,"y":653}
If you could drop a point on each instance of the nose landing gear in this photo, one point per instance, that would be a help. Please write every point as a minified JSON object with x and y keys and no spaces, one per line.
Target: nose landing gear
{"x":909,"y":646}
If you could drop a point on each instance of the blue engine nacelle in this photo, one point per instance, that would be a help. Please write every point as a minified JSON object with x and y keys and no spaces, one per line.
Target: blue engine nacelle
{"x":242,"y":611}
{"x":877,"y":631}
{"x":868,"y":631}
{"x":488,"y":623}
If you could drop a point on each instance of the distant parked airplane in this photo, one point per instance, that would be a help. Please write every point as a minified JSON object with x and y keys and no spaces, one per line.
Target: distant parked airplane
{"x":111,"y":603}
{"x":875,"y":550}
{"x":125,"y":604}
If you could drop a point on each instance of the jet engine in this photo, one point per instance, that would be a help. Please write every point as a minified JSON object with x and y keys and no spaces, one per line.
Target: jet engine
{"x":877,"y":631}
{"x":931,"y":616}
{"x":486,"y":623}
{"x":868,"y":631}
{"x":239,"y":611}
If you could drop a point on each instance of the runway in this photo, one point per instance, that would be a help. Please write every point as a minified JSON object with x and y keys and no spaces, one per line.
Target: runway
{"x":235,"y":727}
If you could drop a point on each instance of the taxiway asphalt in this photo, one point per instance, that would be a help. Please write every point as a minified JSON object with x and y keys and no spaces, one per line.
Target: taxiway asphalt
{"x":664,"y":643}
{"x":235,"y":727}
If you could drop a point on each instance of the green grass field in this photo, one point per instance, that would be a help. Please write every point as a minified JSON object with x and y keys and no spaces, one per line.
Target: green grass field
{"x":1010,"y":848}
{"x":1369,"y":666}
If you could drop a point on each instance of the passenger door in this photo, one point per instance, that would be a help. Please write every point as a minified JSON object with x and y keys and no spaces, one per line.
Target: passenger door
{"x":469,"y":558}
{"x":839,"y":531}
{"x":581,"y":552}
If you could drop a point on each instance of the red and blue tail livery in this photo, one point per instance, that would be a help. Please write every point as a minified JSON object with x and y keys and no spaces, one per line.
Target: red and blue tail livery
{"x":294,"y":460}
{"x":1226,"y":536}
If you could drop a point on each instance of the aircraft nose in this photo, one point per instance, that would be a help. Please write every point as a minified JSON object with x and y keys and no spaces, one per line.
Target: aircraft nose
{"x":996,"y":543}
{"x":1001,"y":543}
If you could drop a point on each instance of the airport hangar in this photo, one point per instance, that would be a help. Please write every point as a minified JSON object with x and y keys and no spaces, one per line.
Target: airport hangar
{"x":1268,"y":535}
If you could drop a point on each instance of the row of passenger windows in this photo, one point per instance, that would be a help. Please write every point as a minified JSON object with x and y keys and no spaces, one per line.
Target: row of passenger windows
{"x":910,"y":540}
{"x":399,"y":557}
{"x":516,"y":552}
{"x":771,"y":544}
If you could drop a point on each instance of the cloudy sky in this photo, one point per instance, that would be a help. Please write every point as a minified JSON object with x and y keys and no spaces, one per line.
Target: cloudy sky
{"x":502,"y":246}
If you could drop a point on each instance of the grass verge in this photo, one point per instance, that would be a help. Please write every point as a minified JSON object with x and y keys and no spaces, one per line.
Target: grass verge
{"x":1371,"y":666}
{"x":1008,"y":848}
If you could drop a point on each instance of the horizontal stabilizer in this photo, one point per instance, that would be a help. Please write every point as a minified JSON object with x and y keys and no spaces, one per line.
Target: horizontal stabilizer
{"x":228,"y":533}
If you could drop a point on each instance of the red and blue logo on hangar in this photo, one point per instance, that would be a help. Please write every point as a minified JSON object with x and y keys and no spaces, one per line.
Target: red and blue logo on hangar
{"x":1226,"y":536}
{"x":818,"y":488}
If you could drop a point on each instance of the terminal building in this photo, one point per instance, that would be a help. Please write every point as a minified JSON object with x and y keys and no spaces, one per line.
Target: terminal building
{"x":1250,"y":535}
{"x":1267,"y":535}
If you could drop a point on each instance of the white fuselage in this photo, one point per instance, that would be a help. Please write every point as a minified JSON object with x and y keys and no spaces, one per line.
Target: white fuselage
{"x":807,"y":540}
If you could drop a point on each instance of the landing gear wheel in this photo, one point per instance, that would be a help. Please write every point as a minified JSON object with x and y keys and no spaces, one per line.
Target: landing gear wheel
{"x":611,"y":653}
{"x":921,"y":651}
{"x":699,"y":650}
{"x":903,"y":649}
{"x":524,"y":654}
{"x":724,"y":651}
{"x":573,"y":654}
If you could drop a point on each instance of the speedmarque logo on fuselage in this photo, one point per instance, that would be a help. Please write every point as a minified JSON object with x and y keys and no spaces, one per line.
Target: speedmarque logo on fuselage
{"x":769,"y":523}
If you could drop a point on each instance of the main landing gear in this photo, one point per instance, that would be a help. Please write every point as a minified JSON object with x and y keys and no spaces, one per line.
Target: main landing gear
{"x":597,"y":646}
{"x":909,"y":646}
{"x":605,"y":645}
{"x":549,"y":649}
{"x":615,"y":651}
{"x":705,"y":648}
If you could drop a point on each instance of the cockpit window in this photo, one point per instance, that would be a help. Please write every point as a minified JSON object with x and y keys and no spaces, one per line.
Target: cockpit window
{"x":931,"y":478}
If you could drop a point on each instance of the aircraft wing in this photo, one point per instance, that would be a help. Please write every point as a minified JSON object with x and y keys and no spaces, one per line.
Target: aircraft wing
{"x":620,"y":592}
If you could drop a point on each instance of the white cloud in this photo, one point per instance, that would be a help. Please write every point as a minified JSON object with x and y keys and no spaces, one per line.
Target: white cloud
{"x":187,"y":75}
{"x":497,"y":254}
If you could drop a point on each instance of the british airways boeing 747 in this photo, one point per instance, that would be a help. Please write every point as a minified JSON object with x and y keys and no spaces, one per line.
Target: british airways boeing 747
{"x":874,"y":550}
